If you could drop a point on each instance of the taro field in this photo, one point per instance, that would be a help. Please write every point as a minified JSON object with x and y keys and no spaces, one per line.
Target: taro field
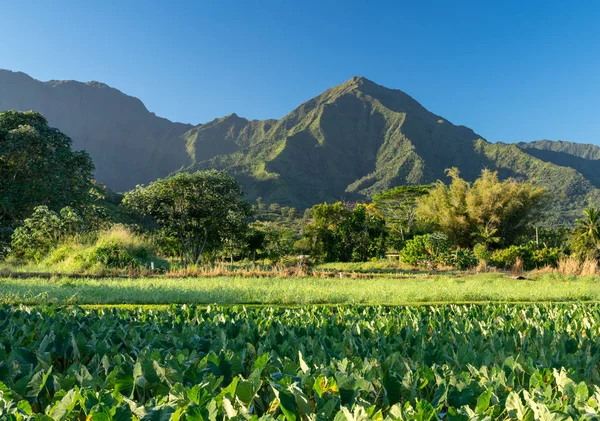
{"x":450,"y":362}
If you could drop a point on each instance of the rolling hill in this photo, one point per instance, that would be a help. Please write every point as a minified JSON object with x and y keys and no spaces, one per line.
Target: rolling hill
{"x":351,"y":142}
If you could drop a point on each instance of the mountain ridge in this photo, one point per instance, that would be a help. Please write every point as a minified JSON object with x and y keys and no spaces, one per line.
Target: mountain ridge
{"x":349,"y":142}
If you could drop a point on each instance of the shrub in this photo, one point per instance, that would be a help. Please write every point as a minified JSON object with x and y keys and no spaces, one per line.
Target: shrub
{"x":547,"y":256}
{"x":461,"y":259}
{"x":506,"y":258}
{"x":424,"y":249}
{"x":117,"y":248}
{"x":482,"y":253}
{"x":531,"y":257}
{"x":38,"y":235}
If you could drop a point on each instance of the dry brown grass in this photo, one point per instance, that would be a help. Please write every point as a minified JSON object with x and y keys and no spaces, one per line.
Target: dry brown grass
{"x":517,"y":269}
{"x":578,"y":267}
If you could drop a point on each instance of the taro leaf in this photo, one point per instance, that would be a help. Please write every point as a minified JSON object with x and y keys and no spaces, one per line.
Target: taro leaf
{"x":65,"y":406}
{"x":441,"y":395}
{"x":287,"y":403}
{"x":514,"y":406}
{"x":393,"y":388}
{"x":261,"y":362}
{"x":323,"y":385}
{"x":581,"y":392}
{"x":483,"y":402}
{"x":425,"y":411}
{"x":37,"y":383}
{"x":454,"y":415}
{"x":246,"y":391}
{"x":458,"y":398}
{"x":84,"y":378}
{"x":123,"y":413}
{"x":348,"y":390}
{"x":25,"y":408}
{"x":303,"y":365}
{"x":220,"y":367}
{"x":163,"y":413}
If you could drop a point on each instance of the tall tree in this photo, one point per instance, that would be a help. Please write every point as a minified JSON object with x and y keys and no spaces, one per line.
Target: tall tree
{"x":463,"y":210}
{"x":38,"y":167}
{"x":201,"y":210}
{"x":398,"y":207}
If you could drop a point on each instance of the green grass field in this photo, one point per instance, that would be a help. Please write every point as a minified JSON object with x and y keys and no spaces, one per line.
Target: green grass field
{"x":289,"y":291}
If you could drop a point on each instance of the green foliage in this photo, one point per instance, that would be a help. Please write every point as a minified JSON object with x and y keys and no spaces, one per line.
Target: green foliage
{"x":488,"y":210}
{"x":39,"y":234}
{"x":531,"y":256}
{"x":398,"y":207}
{"x":37,"y":166}
{"x":201,"y":210}
{"x":338,"y":233}
{"x":277,"y":242}
{"x":116,"y":248}
{"x":322,"y":363}
{"x":461,"y":259}
{"x":481,"y":252}
{"x":425,"y":250}
{"x":585,"y":237}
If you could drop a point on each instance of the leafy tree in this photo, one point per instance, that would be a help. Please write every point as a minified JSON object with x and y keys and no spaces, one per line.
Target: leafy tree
{"x":277,"y":241}
{"x":340,"y":234}
{"x":201,"y":210}
{"x":464,"y":210}
{"x":38,"y":167}
{"x":586,"y":234}
{"x":398,"y":207}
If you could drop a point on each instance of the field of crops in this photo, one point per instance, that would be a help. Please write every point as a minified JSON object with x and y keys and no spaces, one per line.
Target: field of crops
{"x":532,"y":362}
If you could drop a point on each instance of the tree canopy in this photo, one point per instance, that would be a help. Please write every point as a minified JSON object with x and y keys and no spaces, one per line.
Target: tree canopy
{"x":341,"y":234}
{"x":483,"y":211}
{"x":38,"y":167}
{"x":201,"y":210}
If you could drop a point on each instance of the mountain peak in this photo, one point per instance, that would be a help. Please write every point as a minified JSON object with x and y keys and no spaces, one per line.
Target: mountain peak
{"x":358,"y":81}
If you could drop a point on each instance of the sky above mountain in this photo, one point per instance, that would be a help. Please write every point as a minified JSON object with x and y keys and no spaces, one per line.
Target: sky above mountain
{"x":510,"y":70}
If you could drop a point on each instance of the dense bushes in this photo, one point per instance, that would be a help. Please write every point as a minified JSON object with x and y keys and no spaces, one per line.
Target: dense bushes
{"x":530,"y":256}
{"x":341,"y":233}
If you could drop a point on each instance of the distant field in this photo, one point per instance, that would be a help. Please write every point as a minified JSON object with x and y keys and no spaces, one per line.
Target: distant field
{"x":419,"y":288}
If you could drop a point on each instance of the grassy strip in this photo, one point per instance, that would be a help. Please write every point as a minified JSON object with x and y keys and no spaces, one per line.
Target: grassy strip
{"x":290,"y":291}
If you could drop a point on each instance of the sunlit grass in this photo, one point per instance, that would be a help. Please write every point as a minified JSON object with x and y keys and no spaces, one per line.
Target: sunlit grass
{"x":289,"y":291}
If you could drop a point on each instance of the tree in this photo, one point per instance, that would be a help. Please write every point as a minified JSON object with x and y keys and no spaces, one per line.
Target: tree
{"x":38,"y":167}
{"x":398,"y":207}
{"x":201,"y":210}
{"x":463,"y":211}
{"x":586,"y":234}
{"x":340,"y":234}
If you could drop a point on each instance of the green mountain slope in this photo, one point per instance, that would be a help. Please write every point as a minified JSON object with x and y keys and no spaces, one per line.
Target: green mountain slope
{"x":584,"y":158}
{"x":359,"y":138}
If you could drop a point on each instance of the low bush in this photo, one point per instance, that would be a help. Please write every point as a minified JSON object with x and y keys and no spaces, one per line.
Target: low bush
{"x":425,"y":250}
{"x":461,"y":259}
{"x":117,"y":248}
{"x":530,"y":256}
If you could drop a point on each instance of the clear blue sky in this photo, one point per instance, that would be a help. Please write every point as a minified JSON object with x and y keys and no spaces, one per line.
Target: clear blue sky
{"x":511,"y":70}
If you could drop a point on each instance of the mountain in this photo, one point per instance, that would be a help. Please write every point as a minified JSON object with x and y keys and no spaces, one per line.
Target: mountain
{"x":351,"y":142}
{"x":128,"y":144}
{"x":360,"y":138}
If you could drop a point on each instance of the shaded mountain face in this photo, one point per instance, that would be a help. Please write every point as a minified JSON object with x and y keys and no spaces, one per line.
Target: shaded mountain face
{"x":128,"y":144}
{"x":349,"y":143}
